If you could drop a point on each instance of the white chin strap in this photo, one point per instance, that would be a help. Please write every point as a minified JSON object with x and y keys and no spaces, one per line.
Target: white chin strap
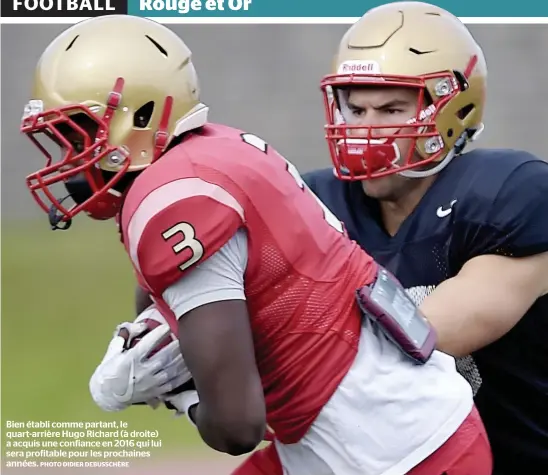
{"x":431,"y":171}
{"x":455,"y":151}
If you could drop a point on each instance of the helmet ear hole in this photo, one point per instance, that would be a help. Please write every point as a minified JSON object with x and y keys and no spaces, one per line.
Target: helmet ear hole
{"x":142,"y":117}
{"x":465,"y":111}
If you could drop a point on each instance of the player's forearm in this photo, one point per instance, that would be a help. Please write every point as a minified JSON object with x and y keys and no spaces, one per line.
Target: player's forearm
{"x":462,"y":326}
{"x":482,"y":303}
{"x":217,"y":343}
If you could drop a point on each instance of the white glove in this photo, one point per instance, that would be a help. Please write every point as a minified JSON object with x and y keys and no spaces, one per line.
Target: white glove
{"x":182,"y":402}
{"x":131,"y":376}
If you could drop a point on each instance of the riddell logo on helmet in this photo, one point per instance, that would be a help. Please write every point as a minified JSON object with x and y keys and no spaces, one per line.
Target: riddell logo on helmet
{"x":359,"y":67}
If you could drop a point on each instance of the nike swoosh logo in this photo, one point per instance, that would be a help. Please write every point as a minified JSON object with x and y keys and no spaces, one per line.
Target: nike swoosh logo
{"x":128,"y":394}
{"x":442,"y":213}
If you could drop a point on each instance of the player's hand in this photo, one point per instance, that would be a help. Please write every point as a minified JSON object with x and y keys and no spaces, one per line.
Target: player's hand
{"x":133,"y":376}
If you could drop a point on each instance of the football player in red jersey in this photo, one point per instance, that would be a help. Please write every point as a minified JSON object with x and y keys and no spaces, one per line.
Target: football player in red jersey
{"x":253,"y":274}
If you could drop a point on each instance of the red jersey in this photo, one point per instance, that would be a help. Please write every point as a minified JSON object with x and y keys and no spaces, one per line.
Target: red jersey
{"x":302,"y":269}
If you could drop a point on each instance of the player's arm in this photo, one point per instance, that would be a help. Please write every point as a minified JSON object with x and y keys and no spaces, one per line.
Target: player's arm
{"x":485,"y":300}
{"x":492,"y":292}
{"x":217,"y":345}
{"x":142,"y":300}
{"x":205,"y":293}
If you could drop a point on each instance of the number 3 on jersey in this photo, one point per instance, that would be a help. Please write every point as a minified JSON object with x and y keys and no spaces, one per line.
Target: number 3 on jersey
{"x":187,"y":240}
{"x":261,"y":145}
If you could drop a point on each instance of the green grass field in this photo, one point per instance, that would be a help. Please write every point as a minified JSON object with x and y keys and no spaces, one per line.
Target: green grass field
{"x":63,"y":293}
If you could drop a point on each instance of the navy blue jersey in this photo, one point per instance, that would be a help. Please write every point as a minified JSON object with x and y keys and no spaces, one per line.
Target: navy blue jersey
{"x":484,"y":202}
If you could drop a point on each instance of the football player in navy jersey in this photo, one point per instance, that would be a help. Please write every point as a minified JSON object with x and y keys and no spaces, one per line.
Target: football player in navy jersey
{"x":465,"y":232}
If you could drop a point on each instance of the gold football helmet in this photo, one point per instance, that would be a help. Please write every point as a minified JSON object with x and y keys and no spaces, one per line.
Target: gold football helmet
{"x":411,"y":45}
{"x":111,"y":92}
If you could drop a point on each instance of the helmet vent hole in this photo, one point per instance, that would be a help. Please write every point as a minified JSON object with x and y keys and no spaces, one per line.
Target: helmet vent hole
{"x":158,"y":45}
{"x":141,"y":118}
{"x":465,"y":111}
{"x":72,"y":42}
{"x":419,"y":52}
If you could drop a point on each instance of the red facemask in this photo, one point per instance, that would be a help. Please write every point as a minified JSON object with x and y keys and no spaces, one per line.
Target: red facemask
{"x":103,"y":201}
{"x":80,"y":169}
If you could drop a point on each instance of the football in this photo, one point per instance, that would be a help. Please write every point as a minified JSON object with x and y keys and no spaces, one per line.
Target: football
{"x":152,"y":318}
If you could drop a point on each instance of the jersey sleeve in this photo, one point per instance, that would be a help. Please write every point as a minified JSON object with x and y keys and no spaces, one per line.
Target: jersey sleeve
{"x":218,"y":278}
{"x":516,"y":223}
{"x":178,"y":226}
